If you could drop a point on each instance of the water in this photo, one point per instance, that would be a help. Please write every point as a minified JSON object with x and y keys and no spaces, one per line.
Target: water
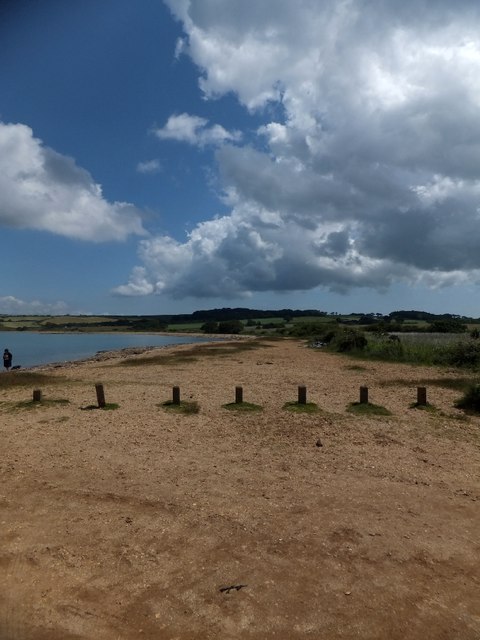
{"x":31,"y":349}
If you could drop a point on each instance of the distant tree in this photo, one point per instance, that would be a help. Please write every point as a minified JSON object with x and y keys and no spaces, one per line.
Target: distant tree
{"x":447,"y":326}
{"x":311,"y":329}
{"x":230,"y":326}
{"x":210,"y":327}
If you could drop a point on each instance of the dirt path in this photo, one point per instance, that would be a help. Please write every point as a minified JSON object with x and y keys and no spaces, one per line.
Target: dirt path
{"x":139,"y":523}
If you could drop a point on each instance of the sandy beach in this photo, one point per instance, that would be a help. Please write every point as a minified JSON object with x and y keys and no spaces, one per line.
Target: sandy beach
{"x":142,"y":522}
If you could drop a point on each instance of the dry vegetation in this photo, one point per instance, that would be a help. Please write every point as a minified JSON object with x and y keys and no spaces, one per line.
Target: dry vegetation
{"x":147,"y":523}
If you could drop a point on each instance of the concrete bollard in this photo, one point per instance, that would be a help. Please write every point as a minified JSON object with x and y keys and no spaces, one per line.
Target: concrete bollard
{"x":238,"y":395}
{"x":100,"y":395}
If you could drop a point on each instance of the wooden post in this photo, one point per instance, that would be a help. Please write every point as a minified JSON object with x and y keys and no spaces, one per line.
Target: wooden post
{"x":100,"y":395}
{"x":302,"y":395}
{"x":238,"y":395}
{"x":421,"y":396}
{"x":176,"y":395}
{"x":363,"y":395}
{"x":37,"y":395}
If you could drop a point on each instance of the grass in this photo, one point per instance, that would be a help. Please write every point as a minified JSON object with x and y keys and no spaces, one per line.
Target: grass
{"x":27,"y":379}
{"x":297,"y":407}
{"x":185,"y":326}
{"x":109,"y":406}
{"x":458,"y":384}
{"x":164,"y":360}
{"x":423,"y":407}
{"x":184,"y":406}
{"x":242,"y":406}
{"x":194,"y":353}
{"x":30,"y":404}
{"x":444,"y":349}
{"x":368,"y":409}
{"x":263,"y":321}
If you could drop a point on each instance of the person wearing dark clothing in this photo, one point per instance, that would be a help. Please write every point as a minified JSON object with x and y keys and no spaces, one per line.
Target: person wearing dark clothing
{"x":7,"y":359}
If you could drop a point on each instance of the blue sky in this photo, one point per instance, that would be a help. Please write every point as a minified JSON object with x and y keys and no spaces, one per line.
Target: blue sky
{"x":163,"y":157}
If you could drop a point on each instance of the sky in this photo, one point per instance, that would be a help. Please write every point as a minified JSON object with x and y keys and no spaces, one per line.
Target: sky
{"x":167,"y":156}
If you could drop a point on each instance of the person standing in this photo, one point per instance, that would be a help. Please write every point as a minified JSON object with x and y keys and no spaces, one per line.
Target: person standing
{"x":7,"y":359}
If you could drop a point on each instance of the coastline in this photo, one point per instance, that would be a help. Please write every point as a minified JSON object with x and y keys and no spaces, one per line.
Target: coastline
{"x":93,"y":353}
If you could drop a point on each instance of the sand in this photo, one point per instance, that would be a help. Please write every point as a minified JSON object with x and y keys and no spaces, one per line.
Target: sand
{"x":138,"y":522}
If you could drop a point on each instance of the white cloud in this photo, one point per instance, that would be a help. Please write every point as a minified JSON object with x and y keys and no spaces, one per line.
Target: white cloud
{"x":9,"y":305}
{"x":44,"y":190}
{"x":194,"y":131}
{"x":371,"y":174}
{"x":149,"y":166}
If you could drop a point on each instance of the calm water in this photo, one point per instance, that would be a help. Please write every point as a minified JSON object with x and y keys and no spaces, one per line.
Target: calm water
{"x":30,"y":349}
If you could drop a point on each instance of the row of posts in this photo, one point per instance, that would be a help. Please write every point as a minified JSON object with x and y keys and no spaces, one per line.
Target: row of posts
{"x":302,"y":395}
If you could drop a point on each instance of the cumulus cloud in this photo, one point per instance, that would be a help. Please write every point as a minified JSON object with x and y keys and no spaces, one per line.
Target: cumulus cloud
{"x":372,"y":173}
{"x":195,"y":131}
{"x":42,"y":189}
{"x":149,"y":166}
{"x":10,"y":305}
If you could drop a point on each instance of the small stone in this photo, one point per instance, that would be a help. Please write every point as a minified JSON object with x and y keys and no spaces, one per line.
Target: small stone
{"x":319,"y":443}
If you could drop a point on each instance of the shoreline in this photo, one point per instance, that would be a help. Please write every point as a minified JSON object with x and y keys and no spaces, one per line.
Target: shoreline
{"x":125,"y":352}
{"x":33,"y":350}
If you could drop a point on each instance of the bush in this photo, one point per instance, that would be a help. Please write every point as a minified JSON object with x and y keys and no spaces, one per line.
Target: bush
{"x":470,"y":400}
{"x":230,"y":326}
{"x":210,"y":327}
{"x":311,"y":329}
{"x":447,"y":326}
{"x":349,"y":340}
{"x":462,"y":354}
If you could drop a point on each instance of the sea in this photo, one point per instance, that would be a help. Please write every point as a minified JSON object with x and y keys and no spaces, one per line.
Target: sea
{"x":30,"y":349}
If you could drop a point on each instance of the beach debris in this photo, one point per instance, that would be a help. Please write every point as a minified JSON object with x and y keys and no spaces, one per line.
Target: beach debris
{"x":319,"y":443}
{"x":233,"y":587}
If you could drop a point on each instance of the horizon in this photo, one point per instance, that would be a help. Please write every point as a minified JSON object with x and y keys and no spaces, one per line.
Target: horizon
{"x":249,"y":309}
{"x":180,"y":154}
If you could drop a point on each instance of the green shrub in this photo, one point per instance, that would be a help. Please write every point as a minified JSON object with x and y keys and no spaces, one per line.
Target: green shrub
{"x":313,"y":329}
{"x":349,"y":340}
{"x":230,"y":326}
{"x":452,"y":325}
{"x":470,"y":400}
{"x":210,"y":327}
{"x":461,"y":354}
